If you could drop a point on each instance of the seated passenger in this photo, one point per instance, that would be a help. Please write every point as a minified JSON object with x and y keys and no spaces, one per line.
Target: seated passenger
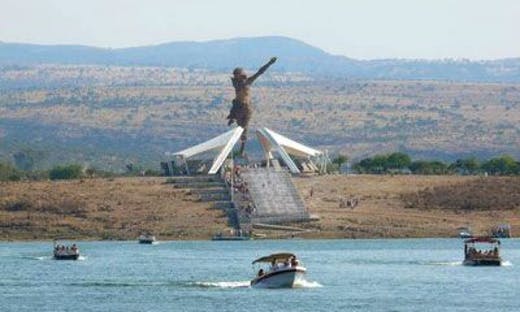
{"x":260,"y":272}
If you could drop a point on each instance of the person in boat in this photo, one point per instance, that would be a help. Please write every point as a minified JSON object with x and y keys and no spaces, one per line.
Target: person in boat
{"x":260,"y":272}
{"x":241,"y":109}
{"x":294,"y":262}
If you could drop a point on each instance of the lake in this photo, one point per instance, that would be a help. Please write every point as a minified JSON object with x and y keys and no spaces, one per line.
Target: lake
{"x":343,"y":275}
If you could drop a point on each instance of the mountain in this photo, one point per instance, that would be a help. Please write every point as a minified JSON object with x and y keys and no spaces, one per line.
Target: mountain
{"x":295,"y":56}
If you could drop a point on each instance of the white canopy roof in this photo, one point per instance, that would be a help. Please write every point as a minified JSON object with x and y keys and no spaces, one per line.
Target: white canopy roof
{"x":224,"y":142}
{"x":270,"y":141}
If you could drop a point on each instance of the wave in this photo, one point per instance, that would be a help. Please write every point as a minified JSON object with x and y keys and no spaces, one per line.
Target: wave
{"x":452,"y":263}
{"x":456,"y":263}
{"x":247,"y":284}
{"x":239,"y":284}
{"x":40,"y":258}
{"x":307,"y":284}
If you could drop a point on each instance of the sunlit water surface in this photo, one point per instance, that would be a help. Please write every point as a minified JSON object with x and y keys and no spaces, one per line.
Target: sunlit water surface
{"x":343,"y":275}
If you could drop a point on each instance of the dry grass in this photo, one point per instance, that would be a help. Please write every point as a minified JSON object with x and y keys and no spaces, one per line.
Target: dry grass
{"x":384,"y":208}
{"x":103,"y":209}
{"x":389,"y":206}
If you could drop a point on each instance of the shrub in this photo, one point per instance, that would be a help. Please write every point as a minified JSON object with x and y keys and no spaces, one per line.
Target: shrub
{"x":66,"y":172}
{"x":9,"y":173}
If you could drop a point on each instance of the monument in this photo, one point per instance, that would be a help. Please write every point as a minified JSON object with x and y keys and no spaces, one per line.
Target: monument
{"x":242,"y":108}
{"x":261,"y":192}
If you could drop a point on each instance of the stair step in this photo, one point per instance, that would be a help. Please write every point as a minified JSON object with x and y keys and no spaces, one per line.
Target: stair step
{"x":223,"y":204}
{"x":220,"y":190}
{"x":198,"y":184}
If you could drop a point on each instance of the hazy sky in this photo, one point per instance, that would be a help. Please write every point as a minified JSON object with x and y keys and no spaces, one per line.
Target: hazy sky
{"x":367,"y":29}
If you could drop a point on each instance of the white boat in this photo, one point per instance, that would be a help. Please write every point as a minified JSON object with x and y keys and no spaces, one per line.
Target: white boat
{"x":146,"y":239}
{"x":280,"y":270}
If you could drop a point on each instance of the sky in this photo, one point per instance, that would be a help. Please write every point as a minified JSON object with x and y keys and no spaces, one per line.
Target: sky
{"x":363,"y":29}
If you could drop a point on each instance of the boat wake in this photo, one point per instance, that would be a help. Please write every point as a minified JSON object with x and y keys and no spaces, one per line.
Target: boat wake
{"x":246,"y":284}
{"x":307,"y":284}
{"x":453,"y":263}
{"x":40,"y":258}
{"x":241,"y":284}
{"x":507,"y":263}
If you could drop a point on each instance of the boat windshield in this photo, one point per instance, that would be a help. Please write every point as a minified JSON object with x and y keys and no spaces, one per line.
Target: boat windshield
{"x":276,"y":258}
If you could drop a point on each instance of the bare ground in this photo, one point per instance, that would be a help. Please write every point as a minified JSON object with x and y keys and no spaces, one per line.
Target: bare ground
{"x":411,"y":206}
{"x":388,"y":206}
{"x":104,"y":209}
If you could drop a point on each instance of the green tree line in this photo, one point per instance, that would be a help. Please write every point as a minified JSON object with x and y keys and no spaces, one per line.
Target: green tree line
{"x":9,"y":172}
{"x":402,"y":163}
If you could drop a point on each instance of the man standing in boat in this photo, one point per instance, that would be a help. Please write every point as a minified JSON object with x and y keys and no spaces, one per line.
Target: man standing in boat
{"x":242,"y":110}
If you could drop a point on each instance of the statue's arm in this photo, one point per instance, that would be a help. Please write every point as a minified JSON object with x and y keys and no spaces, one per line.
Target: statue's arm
{"x":261,"y":70}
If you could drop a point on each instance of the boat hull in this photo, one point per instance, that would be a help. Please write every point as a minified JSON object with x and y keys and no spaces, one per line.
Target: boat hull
{"x":283,"y":278}
{"x":482,"y":262}
{"x":230,"y":238}
{"x":146,"y":241}
{"x":66,"y":257}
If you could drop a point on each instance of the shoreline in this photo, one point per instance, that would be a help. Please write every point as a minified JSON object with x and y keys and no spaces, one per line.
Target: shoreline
{"x":390,"y":207}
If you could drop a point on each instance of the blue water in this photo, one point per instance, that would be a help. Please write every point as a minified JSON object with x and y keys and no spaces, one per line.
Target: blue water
{"x":343,"y":275}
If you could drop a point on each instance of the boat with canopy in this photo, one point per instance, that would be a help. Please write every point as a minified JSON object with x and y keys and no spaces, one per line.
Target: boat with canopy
{"x":279,"y":270}
{"x":482,"y":251}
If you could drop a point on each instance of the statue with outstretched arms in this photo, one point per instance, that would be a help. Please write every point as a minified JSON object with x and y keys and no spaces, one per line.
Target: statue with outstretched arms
{"x":242,"y":110}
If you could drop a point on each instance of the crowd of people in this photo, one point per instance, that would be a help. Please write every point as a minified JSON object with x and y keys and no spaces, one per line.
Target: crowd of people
{"x":240,"y":191}
{"x":62,"y":250}
{"x":473,"y":253}
{"x":291,"y":262}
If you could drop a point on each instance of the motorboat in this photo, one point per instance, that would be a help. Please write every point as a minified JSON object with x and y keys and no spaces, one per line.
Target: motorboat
{"x":237,"y":235}
{"x":146,"y":239}
{"x":220,"y":237}
{"x":280,"y":270}
{"x":62,"y":252}
{"x":480,"y":251}
{"x":465,"y":232}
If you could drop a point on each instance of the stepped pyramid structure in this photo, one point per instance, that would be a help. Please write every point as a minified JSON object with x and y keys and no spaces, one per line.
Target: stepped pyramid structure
{"x":276,"y":199}
{"x":260,"y":194}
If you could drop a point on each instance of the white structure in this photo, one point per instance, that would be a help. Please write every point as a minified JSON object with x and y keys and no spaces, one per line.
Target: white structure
{"x":271,"y":142}
{"x":283,"y":146}
{"x":224,"y":142}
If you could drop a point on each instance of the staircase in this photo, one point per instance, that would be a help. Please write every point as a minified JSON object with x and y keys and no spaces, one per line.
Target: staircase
{"x":275,"y":197}
{"x":209,"y":188}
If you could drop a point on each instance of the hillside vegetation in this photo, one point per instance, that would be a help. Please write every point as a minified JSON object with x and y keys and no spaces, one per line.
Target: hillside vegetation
{"x":110,"y":116}
{"x":297,"y":56}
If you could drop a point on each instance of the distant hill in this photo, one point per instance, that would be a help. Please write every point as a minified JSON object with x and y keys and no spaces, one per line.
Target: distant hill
{"x":295,"y":56}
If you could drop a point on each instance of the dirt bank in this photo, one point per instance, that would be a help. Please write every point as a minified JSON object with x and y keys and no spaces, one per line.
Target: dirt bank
{"x":384,"y":206}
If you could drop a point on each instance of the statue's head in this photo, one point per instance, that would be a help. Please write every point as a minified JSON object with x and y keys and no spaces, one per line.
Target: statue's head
{"x":239,"y":73}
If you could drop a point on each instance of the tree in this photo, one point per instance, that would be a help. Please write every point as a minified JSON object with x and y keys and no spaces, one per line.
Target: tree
{"x":398,"y":161}
{"x":340,"y":160}
{"x":428,"y":167}
{"x":66,"y":172}
{"x":465,"y":166}
{"x":8,"y":173}
{"x":503,"y":165}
